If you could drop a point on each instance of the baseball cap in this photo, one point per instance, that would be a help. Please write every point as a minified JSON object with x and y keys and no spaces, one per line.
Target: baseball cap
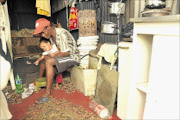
{"x":40,"y":24}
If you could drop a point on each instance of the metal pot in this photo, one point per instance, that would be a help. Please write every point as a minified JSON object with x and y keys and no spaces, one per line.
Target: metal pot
{"x":109,"y":28}
{"x":155,"y":12}
{"x":116,"y":8}
{"x":152,"y":4}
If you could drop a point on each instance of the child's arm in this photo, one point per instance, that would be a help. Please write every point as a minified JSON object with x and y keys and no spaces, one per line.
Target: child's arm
{"x":38,"y":60}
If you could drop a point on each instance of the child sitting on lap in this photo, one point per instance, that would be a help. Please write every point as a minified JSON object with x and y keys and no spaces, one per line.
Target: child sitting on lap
{"x":49,"y":50}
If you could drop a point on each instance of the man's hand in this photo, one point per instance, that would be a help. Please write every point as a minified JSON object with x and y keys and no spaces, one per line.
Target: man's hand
{"x":59,"y":54}
{"x":63,"y":54}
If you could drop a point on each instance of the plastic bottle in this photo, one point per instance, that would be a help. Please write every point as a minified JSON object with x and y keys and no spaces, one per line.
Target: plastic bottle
{"x":100,"y":110}
{"x":19,"y":87}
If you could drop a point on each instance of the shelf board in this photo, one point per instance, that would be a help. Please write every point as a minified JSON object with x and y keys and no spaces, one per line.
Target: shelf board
{"x":142,"y":86}
{"x":167,"y":18}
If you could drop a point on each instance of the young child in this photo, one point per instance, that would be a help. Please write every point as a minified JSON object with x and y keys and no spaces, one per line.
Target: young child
{"x":52,"y":50}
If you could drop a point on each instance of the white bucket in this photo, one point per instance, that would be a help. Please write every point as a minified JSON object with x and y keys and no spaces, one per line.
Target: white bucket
{"x":87,"y":48}
{"x":89,"y":38}
{"x":88,"y":41}
{"x":87,"y":44}
{"x":84,"y":52}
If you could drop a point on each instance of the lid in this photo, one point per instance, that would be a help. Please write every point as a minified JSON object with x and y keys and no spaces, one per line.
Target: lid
{"x":17,"y":77}
{"x":104,"y":113}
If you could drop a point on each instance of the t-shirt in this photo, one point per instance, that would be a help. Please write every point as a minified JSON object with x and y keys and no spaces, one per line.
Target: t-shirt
{"x":65,"y":42}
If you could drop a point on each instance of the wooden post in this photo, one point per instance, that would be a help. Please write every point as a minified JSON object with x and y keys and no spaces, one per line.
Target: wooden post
{"x":136,"y":9}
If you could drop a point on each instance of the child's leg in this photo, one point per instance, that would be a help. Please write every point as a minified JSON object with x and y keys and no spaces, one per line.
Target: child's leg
{"x":57,"y":86}
{"x":59,"y":79}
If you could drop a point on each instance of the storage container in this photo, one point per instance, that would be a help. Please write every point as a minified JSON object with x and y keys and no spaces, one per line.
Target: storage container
{"x":93,"y":59}
{"x":86,"y":44}
{"x":84,"y":80}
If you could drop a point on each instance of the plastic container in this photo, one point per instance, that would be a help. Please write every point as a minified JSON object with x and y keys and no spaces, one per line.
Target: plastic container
{"x":100,"y":110}
{"x":84,"y":79}
{"x":93,"y":59}
{"x":19,"y":86}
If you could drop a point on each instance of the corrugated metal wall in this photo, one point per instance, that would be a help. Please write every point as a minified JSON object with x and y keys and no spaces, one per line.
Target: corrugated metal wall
{"x":101,"y":7}
{"x":23,"y":14}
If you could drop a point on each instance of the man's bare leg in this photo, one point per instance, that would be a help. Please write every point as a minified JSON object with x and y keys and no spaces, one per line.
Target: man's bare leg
{"x":42,"y":68}
{"x":49,"y":76}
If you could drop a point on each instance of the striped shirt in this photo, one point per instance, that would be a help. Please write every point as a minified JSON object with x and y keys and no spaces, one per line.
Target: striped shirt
{"x":65,"y":42}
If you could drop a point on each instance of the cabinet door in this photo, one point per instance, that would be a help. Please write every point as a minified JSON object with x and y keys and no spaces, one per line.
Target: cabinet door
{"x":162,"y":100}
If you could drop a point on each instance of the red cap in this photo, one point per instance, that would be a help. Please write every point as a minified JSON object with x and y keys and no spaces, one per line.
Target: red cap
{"x":40,"y":24}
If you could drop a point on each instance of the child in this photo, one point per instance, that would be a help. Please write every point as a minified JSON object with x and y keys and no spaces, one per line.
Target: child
{"x":49,"y":50}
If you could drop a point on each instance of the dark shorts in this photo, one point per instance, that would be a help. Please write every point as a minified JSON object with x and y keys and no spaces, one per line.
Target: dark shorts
{"x":63,"y":63}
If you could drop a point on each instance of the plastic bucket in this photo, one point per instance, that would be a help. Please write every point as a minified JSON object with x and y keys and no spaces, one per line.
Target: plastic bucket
{"x":93,"y":59}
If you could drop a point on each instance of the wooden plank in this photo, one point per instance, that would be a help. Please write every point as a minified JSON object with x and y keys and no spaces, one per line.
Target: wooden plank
{"x":131,"y":9}
{"x":169,"y":3}
{"x":175,"y":7}
{"x":142,"y":6}
{"x":127,"y":11}
{"x":136,"y":8}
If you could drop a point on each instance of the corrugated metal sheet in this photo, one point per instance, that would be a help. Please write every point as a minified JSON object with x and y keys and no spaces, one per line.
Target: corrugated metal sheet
{"x":102,"y":12}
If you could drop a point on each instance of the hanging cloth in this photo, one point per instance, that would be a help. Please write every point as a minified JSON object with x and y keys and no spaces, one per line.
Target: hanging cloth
{"x":108,"y":51}
{"x":3,"y":27}
{"x":43,"y":7}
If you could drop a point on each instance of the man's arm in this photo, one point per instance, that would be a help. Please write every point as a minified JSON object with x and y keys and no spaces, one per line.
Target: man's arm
{"x":62,"y":54}
{"x":59,"y":54}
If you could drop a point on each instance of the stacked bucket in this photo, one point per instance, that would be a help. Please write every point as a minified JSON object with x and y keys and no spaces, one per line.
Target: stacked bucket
{"x":86,"y":44}
{"x":88,"y":38}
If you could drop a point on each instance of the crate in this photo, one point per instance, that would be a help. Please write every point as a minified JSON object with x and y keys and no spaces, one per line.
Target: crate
{"x":84,"y":80}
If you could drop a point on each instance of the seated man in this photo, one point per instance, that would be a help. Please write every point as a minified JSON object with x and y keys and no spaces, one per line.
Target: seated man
{"x":66,"y":58}
{"x":49,"y":50}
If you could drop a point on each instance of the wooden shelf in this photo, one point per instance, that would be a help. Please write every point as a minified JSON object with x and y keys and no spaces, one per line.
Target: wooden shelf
{"x":167,"y":18}
{"x":142,"y":86}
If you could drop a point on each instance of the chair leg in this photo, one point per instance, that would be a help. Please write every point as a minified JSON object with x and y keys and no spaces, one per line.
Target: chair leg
{"x":37,"y":88}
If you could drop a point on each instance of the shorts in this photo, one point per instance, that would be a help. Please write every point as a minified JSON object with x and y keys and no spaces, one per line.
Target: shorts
{"x":63,"y":63}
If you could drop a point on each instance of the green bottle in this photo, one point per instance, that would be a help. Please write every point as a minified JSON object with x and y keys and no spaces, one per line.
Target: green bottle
{"x":19,"y":87}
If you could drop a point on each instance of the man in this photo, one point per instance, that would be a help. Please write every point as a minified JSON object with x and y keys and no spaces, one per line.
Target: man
{"x":66,"y":58}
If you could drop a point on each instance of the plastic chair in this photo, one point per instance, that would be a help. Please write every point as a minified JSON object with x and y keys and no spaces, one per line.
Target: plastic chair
{"x":40,"y":82}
